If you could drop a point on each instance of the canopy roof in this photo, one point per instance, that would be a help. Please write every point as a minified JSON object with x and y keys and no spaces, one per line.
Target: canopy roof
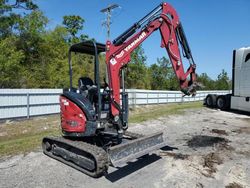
{"x":87,"y":47}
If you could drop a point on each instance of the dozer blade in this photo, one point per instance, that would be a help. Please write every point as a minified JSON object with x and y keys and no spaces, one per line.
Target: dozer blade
{"x":135,"y":148}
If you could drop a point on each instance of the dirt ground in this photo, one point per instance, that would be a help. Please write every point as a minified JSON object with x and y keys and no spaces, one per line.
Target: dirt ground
{"x":206,"y":148}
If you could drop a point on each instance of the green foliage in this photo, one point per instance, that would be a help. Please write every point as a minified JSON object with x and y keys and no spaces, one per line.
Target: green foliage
{"x":7,"y":24}
{"x":31,"y":56}
{"x":206,"y":81}
{"x":31,"y":32}
{"x":223,"y":81}
{"x":8,"y":19}
{"x":10,"y":67}
{"x":137,"y":71}
{"x":74,"y":24}
{"x":33,"y":24}
{"x":29,"y":4}
{"x":52,"y":63}
{"x":162,"y":75}
{"x":20,"y":4}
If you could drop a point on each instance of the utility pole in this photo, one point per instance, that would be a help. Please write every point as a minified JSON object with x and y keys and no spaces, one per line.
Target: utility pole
{"x":107,"y":22}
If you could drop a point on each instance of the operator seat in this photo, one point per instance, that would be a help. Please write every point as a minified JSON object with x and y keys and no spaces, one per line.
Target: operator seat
{"x":87,"y":88}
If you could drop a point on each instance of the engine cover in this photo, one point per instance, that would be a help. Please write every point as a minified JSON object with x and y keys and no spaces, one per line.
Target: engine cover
{"x":72,"y":117}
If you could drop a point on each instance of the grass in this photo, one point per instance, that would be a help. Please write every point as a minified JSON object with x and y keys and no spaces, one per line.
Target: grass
{"x":23,"y":136}
{"x":152,"y":112}
{"x":21,"y":145}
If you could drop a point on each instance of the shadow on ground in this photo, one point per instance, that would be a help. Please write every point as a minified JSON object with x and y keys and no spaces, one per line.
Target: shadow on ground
{"x":131,"y":167}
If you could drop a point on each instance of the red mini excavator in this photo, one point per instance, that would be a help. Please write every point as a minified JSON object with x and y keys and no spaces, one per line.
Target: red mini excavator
{"x":94,"y":119}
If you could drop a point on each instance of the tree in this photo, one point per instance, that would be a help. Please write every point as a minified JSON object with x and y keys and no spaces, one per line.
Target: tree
{"x":9,"y":19}
{"x":24,"y":4}
{"x":10,"y":67}
{"x":162,"y":75}
{"x":223,"y":82}
{"x":55,"y":55}
{"x":137,"y":72}
{"x":32,"y":56}
{"x":31,"y":30}
{"x":74,"y":24}
{"x":206,"y":81}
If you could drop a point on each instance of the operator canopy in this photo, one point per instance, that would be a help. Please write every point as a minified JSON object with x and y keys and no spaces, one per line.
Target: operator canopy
{"x":88,"y":47}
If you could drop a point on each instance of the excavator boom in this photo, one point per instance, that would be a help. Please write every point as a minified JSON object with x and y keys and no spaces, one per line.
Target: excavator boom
{"x":165,"y":19}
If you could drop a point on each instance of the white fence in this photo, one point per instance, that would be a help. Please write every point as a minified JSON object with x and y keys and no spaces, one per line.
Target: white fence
{"x":16,"y":103}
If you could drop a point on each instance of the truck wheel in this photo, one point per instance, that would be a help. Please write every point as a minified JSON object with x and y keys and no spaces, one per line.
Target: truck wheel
{"x":211,"y":100}
{"x":228,"y":101}
{"x":221,"y":102}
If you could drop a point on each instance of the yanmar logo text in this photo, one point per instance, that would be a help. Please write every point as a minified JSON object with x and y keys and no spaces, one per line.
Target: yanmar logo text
{"x":132,"y":44}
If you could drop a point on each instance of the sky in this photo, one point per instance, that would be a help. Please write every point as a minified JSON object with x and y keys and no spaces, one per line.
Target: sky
{"x":214,"y":28}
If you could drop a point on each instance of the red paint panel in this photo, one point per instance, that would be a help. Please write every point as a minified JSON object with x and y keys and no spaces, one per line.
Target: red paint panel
{"x":72,"y":117}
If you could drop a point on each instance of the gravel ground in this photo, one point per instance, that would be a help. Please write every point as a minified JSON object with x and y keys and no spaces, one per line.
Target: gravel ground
{"x":207,"y":148}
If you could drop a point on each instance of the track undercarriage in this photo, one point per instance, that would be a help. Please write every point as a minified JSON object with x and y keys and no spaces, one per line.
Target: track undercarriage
{"x":94,"y":160}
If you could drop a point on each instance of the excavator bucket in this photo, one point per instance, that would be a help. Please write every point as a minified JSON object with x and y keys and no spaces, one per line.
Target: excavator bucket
{"x":134,"y":146}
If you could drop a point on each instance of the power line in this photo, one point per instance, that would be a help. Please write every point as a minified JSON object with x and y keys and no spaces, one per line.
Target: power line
{"x":107,"y":22}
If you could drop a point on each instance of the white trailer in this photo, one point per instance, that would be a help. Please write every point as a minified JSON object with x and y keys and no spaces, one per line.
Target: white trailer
{"x":240,"y":97}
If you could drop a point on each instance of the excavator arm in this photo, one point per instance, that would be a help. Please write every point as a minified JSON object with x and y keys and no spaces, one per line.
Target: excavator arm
{"x":118,"y":53}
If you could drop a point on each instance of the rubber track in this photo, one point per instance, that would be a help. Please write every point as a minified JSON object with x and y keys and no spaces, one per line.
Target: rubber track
{"x":100,"y":156}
